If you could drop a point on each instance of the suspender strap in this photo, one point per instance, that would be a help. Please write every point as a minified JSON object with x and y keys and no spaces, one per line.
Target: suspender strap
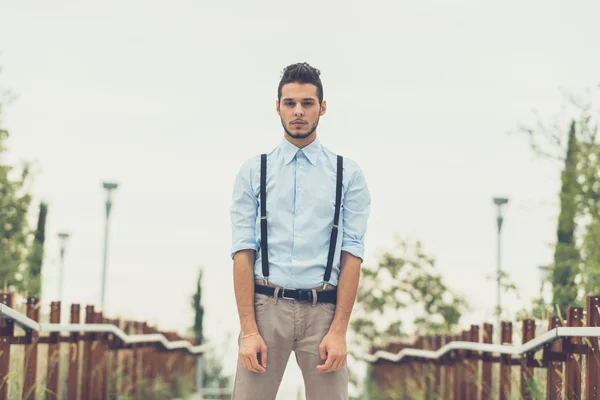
{"x":336,"y":218}
{"x":263,"y":216}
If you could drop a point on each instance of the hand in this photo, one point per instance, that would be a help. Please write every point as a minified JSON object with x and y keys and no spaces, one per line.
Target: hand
{"x":249,"y":348}
{"x":333,"y":351}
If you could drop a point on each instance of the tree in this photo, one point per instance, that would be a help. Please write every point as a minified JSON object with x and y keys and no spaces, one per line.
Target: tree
{"x":566,"y":255}
{"x":198,"y":311}
{"x":405,"y":280}
{"x":15,"y":201}
{"x":36,"y":255}
{"x":576,"y":265}
{"x":210,"y":364}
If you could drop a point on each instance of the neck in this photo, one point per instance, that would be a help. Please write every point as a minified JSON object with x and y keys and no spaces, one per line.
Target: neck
{"x":301,"y":143}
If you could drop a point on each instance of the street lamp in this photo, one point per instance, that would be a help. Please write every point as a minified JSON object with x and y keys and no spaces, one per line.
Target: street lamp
{"x":544,"y":274}
{"x":63,"y":236}
{"x":499,"y":201}
{"x":109,"y":187}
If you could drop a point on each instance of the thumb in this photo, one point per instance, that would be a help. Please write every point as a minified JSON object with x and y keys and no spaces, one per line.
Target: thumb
{"x":323,"y":352}
{"x":263,"y":351}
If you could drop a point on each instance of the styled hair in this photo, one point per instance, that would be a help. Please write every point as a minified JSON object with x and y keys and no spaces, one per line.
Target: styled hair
{"x":301,"y":73}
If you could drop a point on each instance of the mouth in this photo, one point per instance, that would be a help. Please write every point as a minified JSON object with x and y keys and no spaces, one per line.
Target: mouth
{"x":298,"y":124}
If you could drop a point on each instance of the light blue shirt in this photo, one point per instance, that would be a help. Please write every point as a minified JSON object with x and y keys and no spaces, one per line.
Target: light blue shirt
{"x":300,"y":209}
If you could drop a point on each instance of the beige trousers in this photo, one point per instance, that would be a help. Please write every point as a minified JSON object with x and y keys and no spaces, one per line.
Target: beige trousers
{"x":286,"y":326}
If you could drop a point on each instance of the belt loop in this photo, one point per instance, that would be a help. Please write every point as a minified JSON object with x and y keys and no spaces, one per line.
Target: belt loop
{"x":325,"y":286}
{"x":314,"y":293}
{"x":276,"y":294}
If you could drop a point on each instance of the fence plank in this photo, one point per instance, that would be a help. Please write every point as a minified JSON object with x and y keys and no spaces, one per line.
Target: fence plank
{"x":505,"y":366}
{"x":437,"y":375}
{"x":527,"y":334}
{"x":573,"y":364}
{"x":53,"y":363}
{"x":473,"y":366}
{"x":486,"y":365}
{"x":458,"y":371}
{"x":31,"y":351}
{"x":554,"y":377}
{"x":448,"y":373}
{"x":592,"y":375}
{"x":73,"y":377}
{"x":87,"y":387}
{"x":7,"y":331}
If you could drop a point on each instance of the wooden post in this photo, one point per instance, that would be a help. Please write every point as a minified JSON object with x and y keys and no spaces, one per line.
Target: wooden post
{"x":473,"y":366}
{"x":528,"y":333}
{"x":448,"y":372}
{"x":31,"y":351}
{"x":573,"y":364}
{"x":554,"y":377}
{"x":592,"y":375}
{"x":101,"y":354}
{"x":458,"y":371}
{"x":53,"y":368}
{"x":137,"y":360}
{"x":505,"y":366}
{"x":427,"y":374}
{"x":115,"y":364}
{"x":87,"y":386}
{"x":437,"y":375}
{"x":486,"y":365}
{"x":466,"y":372}
{"x":73,"y":377}
{"x":7,"y":332}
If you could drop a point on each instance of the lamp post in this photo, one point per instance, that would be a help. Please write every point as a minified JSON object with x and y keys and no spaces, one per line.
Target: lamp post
{"x":544,"y":273}
{"x":63,"y":236}
{"x":499,"y":202}
{"x":109,"y":187}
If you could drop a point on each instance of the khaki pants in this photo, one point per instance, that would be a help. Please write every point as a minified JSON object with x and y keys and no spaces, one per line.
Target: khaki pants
{"x":286,"y":326}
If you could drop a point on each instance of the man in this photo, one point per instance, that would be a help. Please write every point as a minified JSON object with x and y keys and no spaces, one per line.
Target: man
{"x":299,"y":217}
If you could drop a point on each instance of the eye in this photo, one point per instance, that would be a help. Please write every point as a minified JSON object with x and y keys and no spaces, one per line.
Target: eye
{"x":289,"y":103}
{"x":308,"y":104}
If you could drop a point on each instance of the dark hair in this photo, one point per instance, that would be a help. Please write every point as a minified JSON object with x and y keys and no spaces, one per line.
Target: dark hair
{"x":301,"y":73}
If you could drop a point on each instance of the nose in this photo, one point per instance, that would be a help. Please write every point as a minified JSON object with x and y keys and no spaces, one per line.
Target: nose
{"x":298,"y":112}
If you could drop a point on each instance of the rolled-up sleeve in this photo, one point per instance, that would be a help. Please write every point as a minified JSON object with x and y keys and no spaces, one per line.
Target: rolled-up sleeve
{"x":356,"y":211}
{"x":243,"y":211}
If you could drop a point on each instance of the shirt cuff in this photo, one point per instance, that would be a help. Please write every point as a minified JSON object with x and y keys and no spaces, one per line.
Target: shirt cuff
{"x":249,"y":244}
{"x":356,"y":251}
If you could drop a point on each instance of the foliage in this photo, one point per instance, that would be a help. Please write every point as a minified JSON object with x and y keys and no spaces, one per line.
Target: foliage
{"x":212,"y":366}
{"x":405,"y":280}
{"x":198,"y":311}
{"x":15,"y":233}
{"x":572,"y":139}
{"x":36,"y":255}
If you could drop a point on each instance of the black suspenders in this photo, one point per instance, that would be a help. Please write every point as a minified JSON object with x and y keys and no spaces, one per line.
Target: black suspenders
{"x":263,"y":217}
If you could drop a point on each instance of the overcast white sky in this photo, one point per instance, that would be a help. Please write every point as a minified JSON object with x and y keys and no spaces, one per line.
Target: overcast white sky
{"x":168,"y":99}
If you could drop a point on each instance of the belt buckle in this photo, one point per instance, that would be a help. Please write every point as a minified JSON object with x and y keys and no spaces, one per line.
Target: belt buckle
{"x":283,"y":295}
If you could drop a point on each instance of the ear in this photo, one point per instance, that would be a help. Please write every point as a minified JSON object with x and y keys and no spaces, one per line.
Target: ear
{"x":277,"y":107}
{"x":323,"y":107}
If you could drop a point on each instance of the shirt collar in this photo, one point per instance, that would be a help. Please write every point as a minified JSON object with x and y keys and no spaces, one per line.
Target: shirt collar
{"x":289,"y":150}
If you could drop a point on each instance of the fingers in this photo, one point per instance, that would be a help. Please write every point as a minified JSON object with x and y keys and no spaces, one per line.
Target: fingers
{"x":255,"y":366}
{"x":328,"y":364}
{"x":249,"y":356}
{"x":333,"y":363}
{"x":263,"y":352}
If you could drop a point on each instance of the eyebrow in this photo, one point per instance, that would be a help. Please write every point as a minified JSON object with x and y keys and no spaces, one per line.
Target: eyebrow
{"x":304,"y":99}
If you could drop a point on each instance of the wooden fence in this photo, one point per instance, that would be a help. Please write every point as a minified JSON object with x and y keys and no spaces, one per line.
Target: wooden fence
{"x":460,"y":366}
{"x":105,"y":358}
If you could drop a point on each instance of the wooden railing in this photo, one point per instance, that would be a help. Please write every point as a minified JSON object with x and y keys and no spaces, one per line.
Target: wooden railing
{"x":106,"y":358}
{"x":460,"y":366}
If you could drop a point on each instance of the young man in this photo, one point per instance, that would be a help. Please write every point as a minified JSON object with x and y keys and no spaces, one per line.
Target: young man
{"x":299,"y":217}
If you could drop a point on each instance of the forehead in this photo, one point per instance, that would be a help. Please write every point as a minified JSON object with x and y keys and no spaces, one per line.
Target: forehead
{"x":298,"y":91}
